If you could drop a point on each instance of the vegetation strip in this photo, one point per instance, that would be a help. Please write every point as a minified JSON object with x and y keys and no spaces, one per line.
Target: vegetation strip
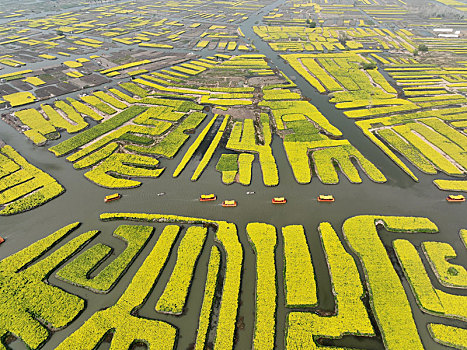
{"x":448,"y":335}
{"x":451,"y":185}
{"x":448,"y":274}
{"x":227,"y":236}
{"x":98,"y":130}
{"x":194,"y":146}
{"x":263,"y":239}
{"x":23,"y":186}
{"x":78,"y":270}
{"x":40,"y":301}
{"x":123,"y":164}
{"x":119,"y":318}
{"x":388,"y":299}
{"x":429,"y":298}
{"x":300,"y":285}
{"x":172,"y":300}
{"x":350,"y":315}
{"x":210,"y":151}
{"x":208,"y":298}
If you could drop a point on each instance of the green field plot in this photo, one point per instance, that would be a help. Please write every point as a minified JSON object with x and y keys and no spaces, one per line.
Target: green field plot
{"x":211,"y":149}
{"x":453,"y":337}
{"x":189,"y":153}
{"x":19,"y":98}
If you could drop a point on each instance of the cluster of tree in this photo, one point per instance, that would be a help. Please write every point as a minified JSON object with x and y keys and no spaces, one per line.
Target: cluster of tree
{"x":369,"y":65}
{"x":421,"y":48}
{"x":311,"y":23}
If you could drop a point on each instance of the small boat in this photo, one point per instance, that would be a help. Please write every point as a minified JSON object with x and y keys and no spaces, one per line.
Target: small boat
{"x":161,"y":194}
{"x":207,"y":197}
{"x":455,"y":198}
{"x":279,"y":200}
{"x":2,"y":240}
{"x":250,"y":192}
{"x":229,"y":203}
{"x":112,"y":197}
{"x":326,"y":198}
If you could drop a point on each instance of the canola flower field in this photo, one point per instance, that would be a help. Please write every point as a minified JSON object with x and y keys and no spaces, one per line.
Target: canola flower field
{"x":255,"y":102}
{"x":23,"y":275}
